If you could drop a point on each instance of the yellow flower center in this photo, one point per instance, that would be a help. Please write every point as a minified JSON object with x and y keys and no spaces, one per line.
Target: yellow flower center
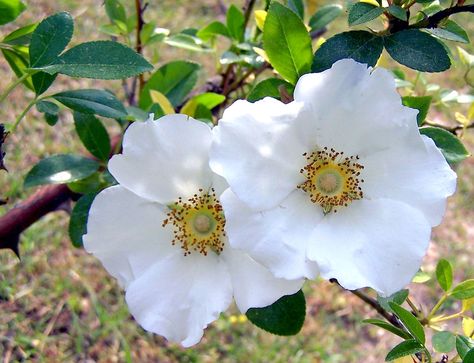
{"x":332,"y":180}
{"x":198,"y":223}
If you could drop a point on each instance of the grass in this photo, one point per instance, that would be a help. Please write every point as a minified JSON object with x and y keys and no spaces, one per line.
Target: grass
{"x":59,"y":305}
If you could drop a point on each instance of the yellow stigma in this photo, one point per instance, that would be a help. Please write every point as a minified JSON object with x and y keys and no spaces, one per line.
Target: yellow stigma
{"x":332,"y":180}
{"x":198,"y":223}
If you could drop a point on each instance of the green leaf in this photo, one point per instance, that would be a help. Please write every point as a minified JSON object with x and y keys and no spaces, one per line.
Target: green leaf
{"x":469,"y":357}
{"x":451,"y":147}
{"x":78,"y":221}
{"x":421,"y":277}
{"x":398,"y":12}
{"x":465,"y":290}
{"x":389,"y":327}
{"x":9,"y":10}
{"x":208,"y":100}
{"x":115,"y":11}
{"x":444,"y":341}
{"x":325,"y":15}
{"x":175,"y":80}
{"x":93,"y":135}
{"x":100,"y":60}
{"x":361,"y":13}
{"x":410,"y":322}
{"x":403,"y":349}
{"x":297,"y":7}
{"x":21,"y":36}
{"x":42,"y":81}
{"x":450,"y":30}
{"x":463,"y":345}
{"x":398,"y":297}
{"x":444,"y":274}
{"x":362,"y":46}
{"x":92,"y":101}
{"x":188,"y":42}
{"x":236,"y":23}
{"x":422,"y":104}
{"x":287,"y":43}
{"x":50,"y":38}
{"x":60,"y":169}
{"x":50,"y":111}
{"x":284,"y":317}
{"x":18,"y":63}
{"x":269,"y":88}
{"x":418,"y":50}
{"x":213,"y":29}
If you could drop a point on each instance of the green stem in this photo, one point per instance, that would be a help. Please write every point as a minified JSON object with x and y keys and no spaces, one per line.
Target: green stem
{"x":22,"y":115}
{"x":12,"y":86}
{"x":437,"y":306}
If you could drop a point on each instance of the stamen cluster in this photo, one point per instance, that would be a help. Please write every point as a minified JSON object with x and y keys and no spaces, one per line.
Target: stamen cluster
{"x":198,"y":223}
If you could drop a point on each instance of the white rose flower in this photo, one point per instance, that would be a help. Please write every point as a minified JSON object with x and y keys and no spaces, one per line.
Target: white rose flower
{"x":161,"y":233}
{"x":340,"y":176}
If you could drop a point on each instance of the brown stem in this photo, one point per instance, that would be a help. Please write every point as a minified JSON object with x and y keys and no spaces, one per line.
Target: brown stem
{"x":434,"y":20}
{"x":248,"y":7}
{"x":139,"y":9}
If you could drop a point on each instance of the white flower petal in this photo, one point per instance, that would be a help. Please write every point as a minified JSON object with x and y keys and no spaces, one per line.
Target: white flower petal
{"x":378,"y":244}
{"x":254,"y":285}
{"x":414,"y":172}
{"x":179,"y":296}
{"x":124,"y":231}
{"x":164,"y":159}
{"x":256,"y":151}
{"x":352,"y":109}
{"x":277,"y":237}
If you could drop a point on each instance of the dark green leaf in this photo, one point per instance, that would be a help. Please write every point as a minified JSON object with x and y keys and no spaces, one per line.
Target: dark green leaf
{"x":175,"y":80}
{"x":10,"y":9}
{"x":465,"y":290}
{"x":92,"y":101}
{"x":213,"y":29}
{"x":422,"y":104}
{"x":444,"y":274}
{"x":284,"y":317}
{"x":60,"y":169}
{"x":236,"y":23}
{"x":403,"y":349}
{"x":418,"y":50}
{"x":42,"y":81}
{"x":100,"y":60}
{"x":451,"y":147}
{"x":463,"y":345}
{"x":50,"y":111}
{"x":50,"y":38}
{"x":398,"y":12}
{"x":398,"y":298}
{"x":362,"y":46}
{"x":361,"y":13}
{"x":325,"y":15}
{"x":93,"y":135}
{"x":287,"y":43}
{"x":297,"y":7}
{"x":269,"y":88}
{"x":78,"y":221}
{"x":450,"y":30}
{"x":410,"y":322}
{"x":21,"y":36}
{"x":469,"y":357}
{"x":115,"y":11}
{"x":444,"y":341}
{"x":389,"y":327}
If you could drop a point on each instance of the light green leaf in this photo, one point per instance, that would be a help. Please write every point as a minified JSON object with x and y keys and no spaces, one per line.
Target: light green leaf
{"x":410,"y":322}
{"x":325,"y":15}
{"x":100,"y":60}
{"x":362,"y":12}
{"x":9,"y":10}
{"x":269,"y":88}
{"x":92,"y":101}
{"x":209,"y":100}
{"x":213,"y":29}
{"x":422,"y":104}
{"x":60,"y":169}
{"x":115,"y":11}
{"x":444,"y":274}
{"x":403,"y":349}
{"x":18,"y":63}
{"x":188,"y":42}
{"x":236,"y":23}
{"x":93,"y":135}
{"x":444,"y":341}
{"x":78,"y":221}
{"x":451,"y":147}
{"x":284,"y":317}
{"x":175,"y":80}
{"x":287,"y":43}
{"x":362,"y":46}
{"x":389,"y":327}
{"x":21,"y":36}
{"x":465,"y":290}
{"x":450,"y":30}
{"x":417,"y":50}
{"x":398,"y":12}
